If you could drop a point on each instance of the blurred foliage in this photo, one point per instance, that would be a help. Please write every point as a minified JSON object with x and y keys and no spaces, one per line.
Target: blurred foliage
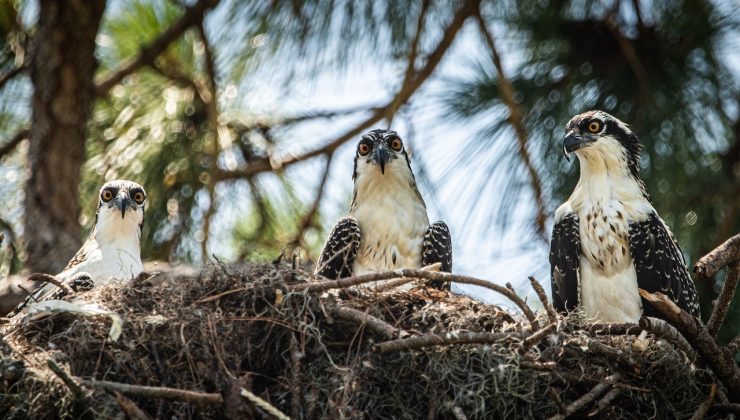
{"x":656,"y":65}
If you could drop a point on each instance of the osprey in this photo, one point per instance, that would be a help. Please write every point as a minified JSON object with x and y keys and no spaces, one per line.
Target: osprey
{"x":608,"y":241}
{"x":387,"y":226}
{"x":112,"y":251}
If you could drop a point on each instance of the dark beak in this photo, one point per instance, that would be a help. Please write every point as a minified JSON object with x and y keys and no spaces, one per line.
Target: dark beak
{"x":574,"y":141}
{"x":381,"y":156}
{"x":123,"y":204}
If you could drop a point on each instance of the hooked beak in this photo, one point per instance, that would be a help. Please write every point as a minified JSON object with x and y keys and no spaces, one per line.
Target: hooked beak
{"x":574,"y":141}
{"x":381,"y":156}
{"x":123,"y":203}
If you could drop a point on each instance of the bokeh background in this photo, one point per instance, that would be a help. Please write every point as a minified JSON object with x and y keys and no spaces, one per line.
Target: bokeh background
{"x":241,"y":119}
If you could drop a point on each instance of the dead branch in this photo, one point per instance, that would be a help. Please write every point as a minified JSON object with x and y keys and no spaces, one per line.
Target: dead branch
{"x":263,"y":405}
{"x":708,"y":265}
{"x":365,"y":319}
{"x":516,"y":119}
{"x":146,"y":56}
{"x":64,"y":376}
{"x":192,"y":397}
{"x":402,"y":96}
{"x":553,"y":394}
{"x":453,"y":337}
{"x":703,"y":409}
{"x":723,"y":301}
{"x":551,"y":314}
{"x":11,"y":74}
{"x":627,"y":328}
{"x":733,"y":346}
{"x":723,"y":366}
{"x":48,"y":278}
{"x":133,"y":411}
{"x":538,"y":336}
{"x":725,"y":409}
{"x":586,"y":398}
{"x":13,"y":142}
{"x":605,"y":401}
{"x":663,"y":329}
{"x":422,"y":274}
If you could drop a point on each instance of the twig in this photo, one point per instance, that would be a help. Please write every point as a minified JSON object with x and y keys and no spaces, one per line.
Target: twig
{"x":401,"y":97}
{"x":605,"y":401}
{"x":363,"y":318}
{"x":723,"y":301}
{"x":543,"y":298}
{"x":146,"y":56}
{"x":13,"y":142}
{"x":703,"y":409}
{"x":556,"y":399}
{"x":453,"y":337}
{"x":627,"y":328}
{"x":723,"y":255}
{"x":723,"y":366}
{"x":11,"y":74}
{"x":48,"y":278}
{"x":516,"y":119}
{"x":422,"y":274}
{"x":263,"y":405}
{"x":586,"y":398}
{"x":192,"y":397}
{"x":133,"y":411}
{"x":71,"y":383}
{"x":667,"y":331}
{"x":537,"y":336}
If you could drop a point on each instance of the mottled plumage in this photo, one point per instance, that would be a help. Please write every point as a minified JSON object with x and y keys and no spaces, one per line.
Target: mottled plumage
{"x":387,"y":227}
{"x":608,"y":241}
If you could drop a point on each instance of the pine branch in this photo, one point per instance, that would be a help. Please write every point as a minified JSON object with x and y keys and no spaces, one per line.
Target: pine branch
{"x":308,"y":218}
{"x":193,"y":15}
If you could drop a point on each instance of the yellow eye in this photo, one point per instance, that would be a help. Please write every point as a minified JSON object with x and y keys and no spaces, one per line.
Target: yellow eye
{"x":364,"y":149}
{"x":594,"y":126}
{"x":139,"y":197}
{"x":396,"y":145}
{"x":106,"y":195}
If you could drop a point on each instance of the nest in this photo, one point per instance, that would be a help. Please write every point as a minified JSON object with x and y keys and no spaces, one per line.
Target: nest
{"x":240,"y":335}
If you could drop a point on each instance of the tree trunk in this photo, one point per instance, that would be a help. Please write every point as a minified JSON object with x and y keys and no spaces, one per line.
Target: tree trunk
{"x":62,"y":70}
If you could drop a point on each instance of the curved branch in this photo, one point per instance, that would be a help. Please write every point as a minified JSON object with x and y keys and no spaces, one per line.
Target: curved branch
{"x":306,"y":222}
{"x":402,"y":96}
{"x":13,"y":142}
{"x":11,"y":74}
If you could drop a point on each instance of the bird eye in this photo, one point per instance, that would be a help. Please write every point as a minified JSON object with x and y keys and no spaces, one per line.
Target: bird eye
{"x":139,"y":197}
{"x":594,"y":126}
{"x":364,"y":149}
{"x":106,"y":195}
{"x":396,"y":145}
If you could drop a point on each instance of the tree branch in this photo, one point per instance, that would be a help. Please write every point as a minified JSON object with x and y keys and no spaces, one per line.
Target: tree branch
{"x":661,"y":328}
{"x":723,"y":366}
{"x":11,"y":74}
{"x":192,"y":397}
{"x":723,"y":301}
{"x":401,"y":97}
{"x":586,"y":398}
{"x":363,"y":318}
{"x":421,"y":274}
{"x":703,"y":409}
{"x":551,"y":313}
{"x":516,"y":119}
{"x":13,"y":142}
{"x":192,"y":16}
{"x":710,"y":264}
{"x":455,"y":337}
{"x":308,"y":218}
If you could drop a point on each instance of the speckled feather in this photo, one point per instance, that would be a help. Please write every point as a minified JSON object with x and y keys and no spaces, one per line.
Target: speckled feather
{"x":340,"y":250}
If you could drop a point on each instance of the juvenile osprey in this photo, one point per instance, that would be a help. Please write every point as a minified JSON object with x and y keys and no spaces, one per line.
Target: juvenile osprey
{"x":608,"y":240}
{"x":387,"y":226}
{"x":112,"y":251}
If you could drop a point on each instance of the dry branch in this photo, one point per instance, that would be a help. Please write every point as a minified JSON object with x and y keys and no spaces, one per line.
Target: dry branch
{"x":551,"y":313}
{"x":605,"y":401}
{"x":696,"y":333}
{"x":663,"y":329}
{"x":133,"y":411}
{"x":64,"y":376}
{"x":401,"y":97}
{"x":192,"y":397}
{"x":703,"y":409}
{"x":454,"y":337}
{"x":148,"y":54}
{"x":726,"y":409}
{"x":263,"y":405}
{"x":363,"y":318}
{"x":422,"y":274}
{"x":587,"y":398}
{"x":724,"y":300}
{"x":48,"y":278}
{"x":627,"y":328}
{"x":723,"y":255}
{"x":11,"y":74}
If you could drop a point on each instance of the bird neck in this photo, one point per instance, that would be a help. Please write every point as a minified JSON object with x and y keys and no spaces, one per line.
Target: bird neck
{"x":114,"y":231}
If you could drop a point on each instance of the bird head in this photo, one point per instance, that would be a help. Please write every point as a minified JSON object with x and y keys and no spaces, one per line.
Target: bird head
{"x":598,"y":136}
{"x":380,"y":152}
{"x":121,"y":203}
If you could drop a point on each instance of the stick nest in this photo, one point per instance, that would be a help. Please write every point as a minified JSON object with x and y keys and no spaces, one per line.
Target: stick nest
{"x":230,"y":327}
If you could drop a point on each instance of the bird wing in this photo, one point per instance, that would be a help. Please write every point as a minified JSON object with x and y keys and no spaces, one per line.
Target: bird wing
{"x":340,"y":250}
{"x":80,"y":282}
{"x":565,"y":248}
{"x":84,"y":250}
{"x":660,"y":265}
{"x":437,"y":248}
